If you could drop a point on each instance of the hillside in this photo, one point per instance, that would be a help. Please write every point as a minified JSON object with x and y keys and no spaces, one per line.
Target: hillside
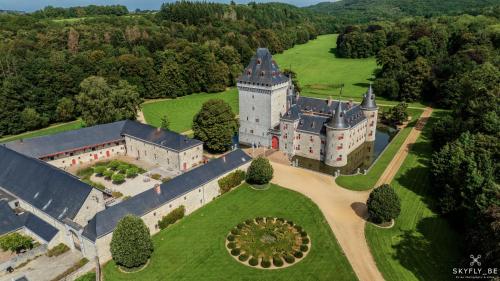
{"x":361,"y":11}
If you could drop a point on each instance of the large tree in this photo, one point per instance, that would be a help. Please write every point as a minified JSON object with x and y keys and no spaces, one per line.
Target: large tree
{"x":131,"y":245}
{"x":383,"y":204}
{"x":215,"y":124}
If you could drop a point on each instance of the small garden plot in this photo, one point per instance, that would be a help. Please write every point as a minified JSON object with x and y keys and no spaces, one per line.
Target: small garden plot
{"x":115,"y":171}
{"x":268,"y":242}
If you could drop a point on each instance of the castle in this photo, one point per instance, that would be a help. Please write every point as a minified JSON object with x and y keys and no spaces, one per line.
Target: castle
{"x":273,"y":114}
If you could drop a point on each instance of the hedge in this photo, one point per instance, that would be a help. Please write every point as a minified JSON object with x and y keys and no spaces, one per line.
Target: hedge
{"x":289,"y":258}
{"x":57,"y":250}
{"x":265,"y":263}
{"x":303,"y":234}
{"x":231,"y":245}
{"x":243,"y":257}
{"x":235,"y":252}
{"x":231,"y":180}
{"x":298,"y":254}
{"x":305,"y":240}
{"x":253,"y":261}
{"x":230,"y":237}
{"x":175,"y":215}
{"x":118,"y":178}
{"x":277,"y":261}
{"x":132,"y":172}
{"x":304,"y":248}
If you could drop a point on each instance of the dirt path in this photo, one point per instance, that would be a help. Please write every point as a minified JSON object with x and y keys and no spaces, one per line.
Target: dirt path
{"x":403,"y":151}
{"x":345,"y":210}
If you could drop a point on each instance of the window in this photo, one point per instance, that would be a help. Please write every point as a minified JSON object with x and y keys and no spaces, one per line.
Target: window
{"x":251,"y":131}
{"x":310,"y":150}
{"x":154,"y":214}
{"x":285,"y":136}
{"x":286,"y":126}
{"x":311,"y":138}
{"x":199,"y":190}
{"x":170,"y":206}
{"x":285,"y":146}
{"x":322,"y":141}
{"x":298,"y":147}
{"x":257,"y":120}
{"x":185,"y":198}
{"x":298,"y":136}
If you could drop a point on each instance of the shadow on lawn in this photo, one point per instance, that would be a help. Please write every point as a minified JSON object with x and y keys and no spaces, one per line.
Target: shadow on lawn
{"x":427,"y":252}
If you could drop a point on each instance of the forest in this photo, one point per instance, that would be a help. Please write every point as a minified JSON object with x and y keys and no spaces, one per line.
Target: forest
{"x":184,"y":48}
{"x":450,"y":62}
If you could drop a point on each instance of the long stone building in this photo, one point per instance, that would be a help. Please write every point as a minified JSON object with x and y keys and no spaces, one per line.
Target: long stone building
{"x":273,"y":114}
{"x":39,"y":198}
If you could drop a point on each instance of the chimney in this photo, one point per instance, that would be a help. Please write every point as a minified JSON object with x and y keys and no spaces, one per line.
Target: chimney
{"x":158,"y":189}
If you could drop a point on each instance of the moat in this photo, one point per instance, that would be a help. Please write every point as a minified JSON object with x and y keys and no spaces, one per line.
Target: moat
{"x":358,"y":160}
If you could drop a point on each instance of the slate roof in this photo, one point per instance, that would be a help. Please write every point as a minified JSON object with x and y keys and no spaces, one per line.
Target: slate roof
{"x":10,"y":222}
{"x":160,"y":137}
{"x":262,"y":70}
{"x":39,"y":147}
{"x":55,"y":192}
{"x":369,"y":100}
{"x":338,"y":118}
{"x":105,"y":221}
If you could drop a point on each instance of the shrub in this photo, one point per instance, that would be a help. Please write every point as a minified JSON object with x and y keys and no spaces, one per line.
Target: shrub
{"x":231,"y":245}
{"x":260,"y":171}
{"x":243,"y":257}
{"x":118,"y":178}
{"x":131,"y":245}
{"x":85,"y":173}
{"x":253,"y":261}
{"x":249,"y":221}
{"x":305,"y":240}
{"x":235,"y":252}
{"x":304,"y":248}
{"x":290,"y":223}
{"x":99,"y":170}
{"x":113,"y":165}
{"x":156,"y":176}
{"x":298,"y":254}
{"x":116,"y":194}
{"x":132,"y":172}
{"x":230,"y":237}
{"x":108,"y":174}
{"x":303,"y":234}
{"x":289,"y":258}
{"x":298,"y":228}
{"x":277,"y":261}
{"x":265,"y":263}
{"x":259,"y":219}
{"x":16,"y":242}
{"x":123,"y":168}
{"x":175,"y":215}
{"x":240,"y":225}
{"x":231,"y":180}
{"x":280,"y":219}
{"x":57,"y":250}
{"x":235,"y":231}
{"x":383,"y":204}
{"x":165,"y":179}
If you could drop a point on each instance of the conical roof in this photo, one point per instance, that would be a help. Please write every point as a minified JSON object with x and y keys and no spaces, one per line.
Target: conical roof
{"x":338,"y":118}
{"x":369,"y":100}
{"x":263,"y":70}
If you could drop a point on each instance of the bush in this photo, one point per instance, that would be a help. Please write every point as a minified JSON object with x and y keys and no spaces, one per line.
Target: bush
{"x":235,"y":231}
{"x":240,"y":225}
{"x":249,"y":221}
{"x":231,"y":180}
{"x":132,"y":172}
{"x":231,"y":245}
{"x":165,"y":179}
{"x":131,"y":245}
{"x":123,"y":168}
{"x":230,"y":237}
{"x":57,"y":250}
{"x":277,"y":261}
{"x":156,"y":176}
{"x":260,"y":171}
{"x":116,"y":194}
{"x":99,"y":170}
{"x":290,"y":223}
{"x":298,"y":228}
{"x":118,"y":178}
{"x":265,"y":263}
{"x":298,"y":254}
{"x":16,"y":242}
{"x":175,"y":215}
{"x":305,"y":240}
{"x":113,"y":165}
{"x":303,"y":234}
{"x":304,"y":248}
{"x":280,"y":219}
{"x":253,"y":261}
{"x":289,"y":258}
{"x":383,"y":204}
{"x":235,"y":252}
{"x":108,"y":174}
{"x":243,"y":257}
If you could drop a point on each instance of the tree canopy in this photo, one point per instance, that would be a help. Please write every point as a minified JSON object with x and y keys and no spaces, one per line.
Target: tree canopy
{"x":383,"y":204}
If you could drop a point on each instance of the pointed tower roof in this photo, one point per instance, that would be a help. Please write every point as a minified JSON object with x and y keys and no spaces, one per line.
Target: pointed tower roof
{"x":262,"y":70}
{"x":369,"y":100}
{"x":338,"y":118}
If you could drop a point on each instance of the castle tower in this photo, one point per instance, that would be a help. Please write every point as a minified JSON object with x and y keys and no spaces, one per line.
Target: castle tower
{"x":262,"y":91}
{"x":336,"y":138}
{"x":370,"y":110}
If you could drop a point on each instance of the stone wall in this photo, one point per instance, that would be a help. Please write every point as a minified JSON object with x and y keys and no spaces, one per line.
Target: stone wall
{"x":93,"y":204}
{"x":87,"y":155}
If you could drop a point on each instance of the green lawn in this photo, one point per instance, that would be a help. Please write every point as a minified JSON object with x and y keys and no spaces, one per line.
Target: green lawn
{"x":73,"y":125}
{"x":193,"y":249}
{"x":180,"y":111}
{"x":364,"y":182}
{"x":421,"y":245}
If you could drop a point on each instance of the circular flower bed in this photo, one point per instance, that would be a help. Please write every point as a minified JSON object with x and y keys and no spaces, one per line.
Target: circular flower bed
{"x":268,"y":243}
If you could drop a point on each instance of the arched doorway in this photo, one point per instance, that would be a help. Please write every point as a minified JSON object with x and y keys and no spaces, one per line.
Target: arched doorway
{"x":275,"y":142}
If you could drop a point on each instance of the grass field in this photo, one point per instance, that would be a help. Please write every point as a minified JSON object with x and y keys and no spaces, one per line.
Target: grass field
{"x":180,"y":111}
{"x":73,"y":125}
{"x":364,"y":182}
{"x":193,"y":249}
{"x":421,"y":245}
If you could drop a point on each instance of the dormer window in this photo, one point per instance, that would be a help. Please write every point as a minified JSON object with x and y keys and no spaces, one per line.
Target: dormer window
{"x":262,"y":74}
{"x":249,"y":72}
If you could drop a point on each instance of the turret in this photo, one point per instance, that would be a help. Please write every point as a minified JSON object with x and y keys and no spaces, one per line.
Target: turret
{"x":336,"y":135}
{"x":370,"y":110}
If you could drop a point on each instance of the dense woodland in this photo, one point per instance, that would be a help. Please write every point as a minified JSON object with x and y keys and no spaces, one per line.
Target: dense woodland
{"x":184,"y":48}
{"x":453,"y":63}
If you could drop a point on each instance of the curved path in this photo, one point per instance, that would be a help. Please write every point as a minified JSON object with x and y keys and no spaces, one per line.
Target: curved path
{"x":345,"y":210}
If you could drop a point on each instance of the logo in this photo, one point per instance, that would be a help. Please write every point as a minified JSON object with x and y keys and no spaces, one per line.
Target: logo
{"x":475,"y":260}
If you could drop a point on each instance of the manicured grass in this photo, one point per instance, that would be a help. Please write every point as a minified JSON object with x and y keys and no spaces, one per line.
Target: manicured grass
{"x":364,"y":182}
{"x":194,"y":248}
{"x":421,"y":245}
{"x":181,"y":111}
{"x":73,"y":125}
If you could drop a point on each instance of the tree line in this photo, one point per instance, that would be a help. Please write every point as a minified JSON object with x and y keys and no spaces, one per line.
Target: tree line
{"x":184,"y":48}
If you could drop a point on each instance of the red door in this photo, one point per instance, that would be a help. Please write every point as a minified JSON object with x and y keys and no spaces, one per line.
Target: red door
{"x":275,"y":142}
{"x":185,"y":166}
{"x":95,"y":157}
{"x":107,"y":153}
